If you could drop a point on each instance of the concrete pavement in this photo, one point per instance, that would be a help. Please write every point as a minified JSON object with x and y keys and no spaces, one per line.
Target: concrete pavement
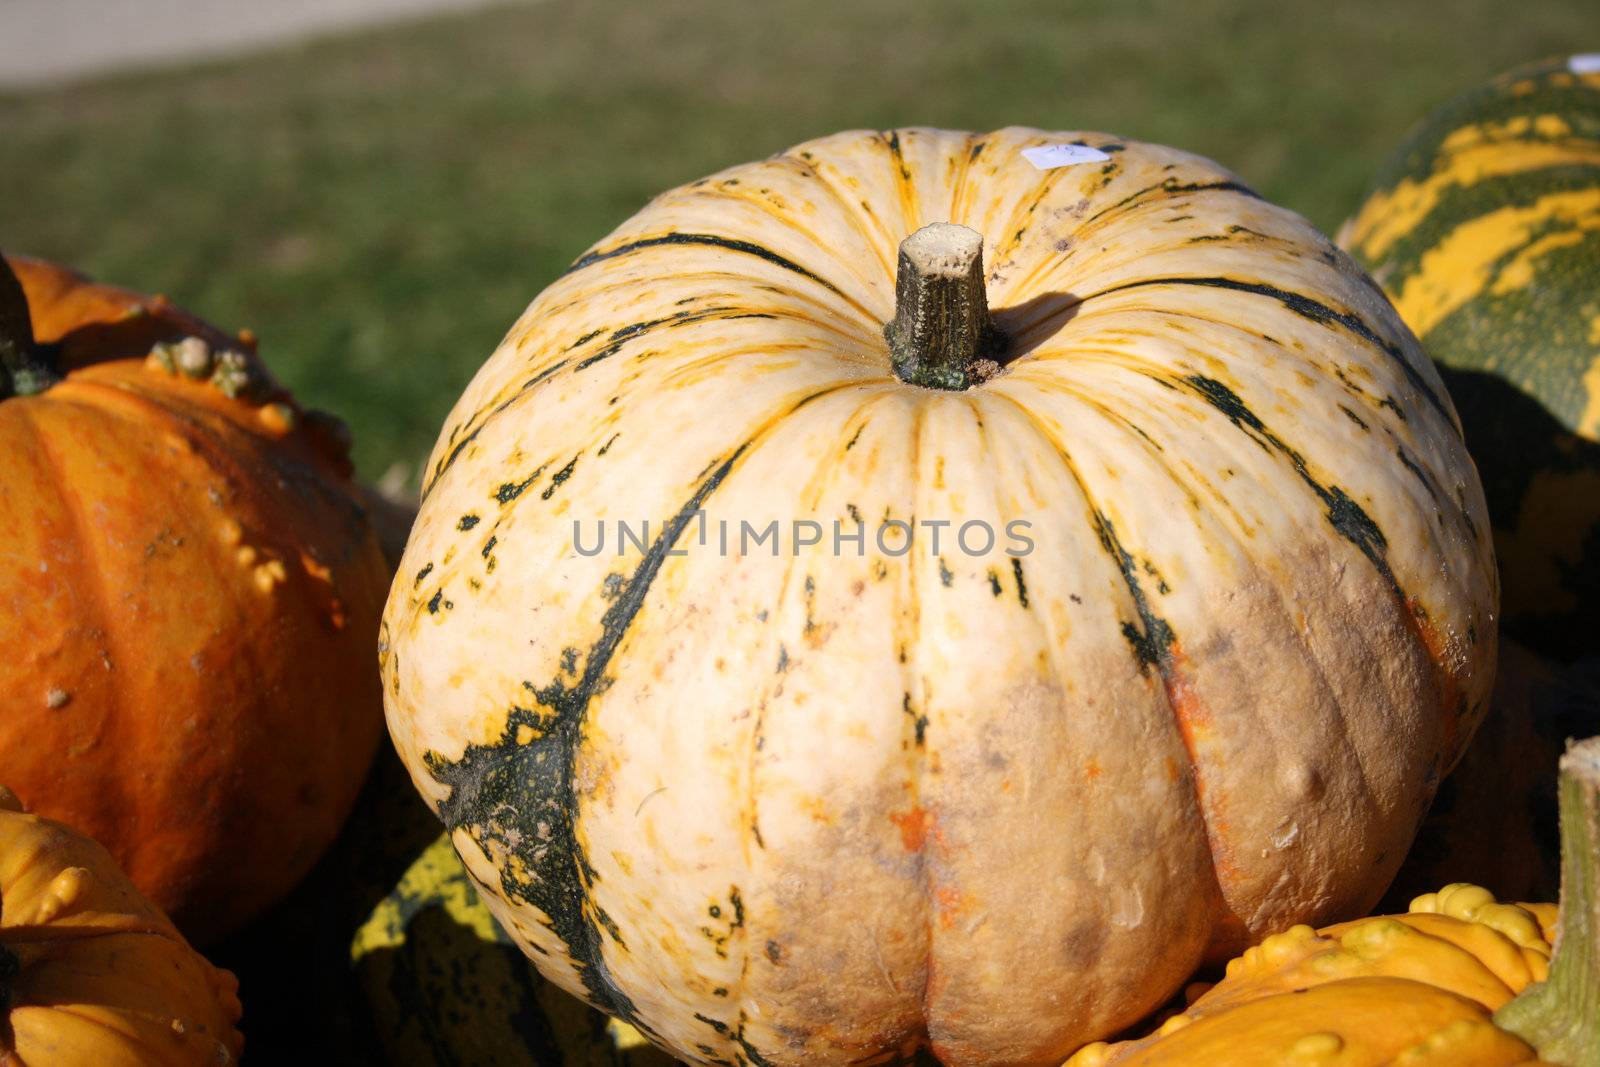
{"x":50,"y":41}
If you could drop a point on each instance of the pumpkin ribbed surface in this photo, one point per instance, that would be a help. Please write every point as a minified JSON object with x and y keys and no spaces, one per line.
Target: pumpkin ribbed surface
{"x":798,"y":805}
{"x":1415,"y":989}
{"x":1484,"y":228}
{"x":91,"y":975}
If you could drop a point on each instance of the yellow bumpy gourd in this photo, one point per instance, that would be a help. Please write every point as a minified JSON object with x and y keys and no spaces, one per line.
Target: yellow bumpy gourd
{"x":1417,"y":990}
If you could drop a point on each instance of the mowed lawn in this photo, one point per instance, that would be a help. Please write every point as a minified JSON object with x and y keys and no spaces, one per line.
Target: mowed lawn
{"x":380,"y":207}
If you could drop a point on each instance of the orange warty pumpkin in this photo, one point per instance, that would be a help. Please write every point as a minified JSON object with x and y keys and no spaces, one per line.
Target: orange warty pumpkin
{"x":91,"y":974}
{"x":190,"y":598}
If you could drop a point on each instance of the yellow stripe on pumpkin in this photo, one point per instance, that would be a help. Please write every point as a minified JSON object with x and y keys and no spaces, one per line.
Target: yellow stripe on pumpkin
{"x":1459,"y":267}
{"x":436,"y":877}
{"x":1547,"y":127}
{"x":1589,"y":421}
{"x":1387,"y":217}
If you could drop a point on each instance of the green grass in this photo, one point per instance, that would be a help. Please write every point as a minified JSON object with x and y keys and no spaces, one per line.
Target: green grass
{"x":380,"y":207}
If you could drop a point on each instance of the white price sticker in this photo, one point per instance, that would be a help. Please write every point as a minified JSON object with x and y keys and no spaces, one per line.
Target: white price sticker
{"x":1051,"y":156}
{"x":1587,"y":63}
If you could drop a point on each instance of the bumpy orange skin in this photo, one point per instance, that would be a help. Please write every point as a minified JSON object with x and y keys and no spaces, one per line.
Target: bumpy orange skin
{"x":189,"y":599}
{"x":94,"y":975}
{"x":1417,"y":989}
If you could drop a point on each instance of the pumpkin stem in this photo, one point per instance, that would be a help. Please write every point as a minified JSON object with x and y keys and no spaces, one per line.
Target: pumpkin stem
{"x":941,"y":336}
{"x":1560,"y":1017}
{"x":25,"y":367}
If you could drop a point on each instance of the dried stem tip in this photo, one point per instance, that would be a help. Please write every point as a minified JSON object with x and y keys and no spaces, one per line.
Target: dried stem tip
{"x":941,"y":336}
{"x":25,"y":366}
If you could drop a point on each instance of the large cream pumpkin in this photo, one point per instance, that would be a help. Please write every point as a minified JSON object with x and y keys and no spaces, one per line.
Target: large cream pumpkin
{"x":829,"y":803}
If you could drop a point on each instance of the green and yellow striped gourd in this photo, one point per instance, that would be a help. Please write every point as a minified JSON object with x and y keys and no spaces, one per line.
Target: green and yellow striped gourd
{"x":1484,"y":229}
{"x":386,"y":957}
{"x":444,"y":985}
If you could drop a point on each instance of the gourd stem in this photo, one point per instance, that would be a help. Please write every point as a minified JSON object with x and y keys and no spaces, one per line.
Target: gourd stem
{"x":25,"y":367}
{"x":1560,"y":1017}
{"x":941,"y":336}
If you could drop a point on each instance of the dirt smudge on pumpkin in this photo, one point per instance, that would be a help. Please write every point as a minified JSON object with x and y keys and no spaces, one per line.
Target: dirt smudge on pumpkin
{"x":1352,"y":523}
{"x":509,"y":491}
{"x":919,"y":721}
{"x":1022,"y":585}
{"x":559,"y":478}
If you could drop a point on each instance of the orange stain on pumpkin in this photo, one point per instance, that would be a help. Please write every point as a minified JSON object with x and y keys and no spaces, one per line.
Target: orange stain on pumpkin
{"x":1193,"y":719}
{"x":1450,"y":696}
{"x":817,"y":808}
{"x":1194,"y":723}
{"x":1425,"y":630}
{"x":951,"y":905}
{"x":935,"y":982}
{"x":914,"y":826}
